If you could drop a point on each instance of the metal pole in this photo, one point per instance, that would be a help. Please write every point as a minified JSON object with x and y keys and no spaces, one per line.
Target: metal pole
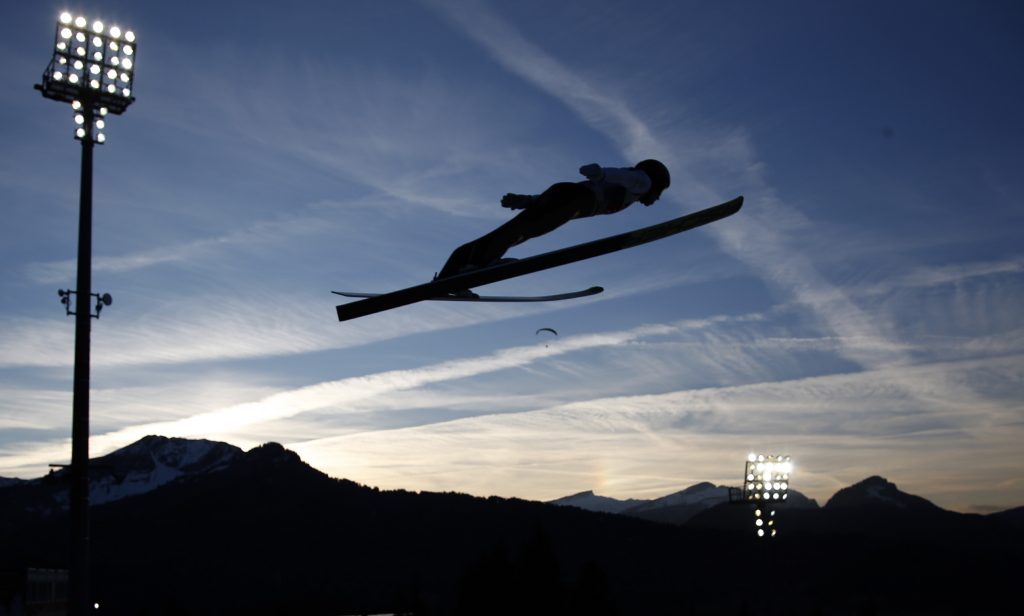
{"x":79,"y":497}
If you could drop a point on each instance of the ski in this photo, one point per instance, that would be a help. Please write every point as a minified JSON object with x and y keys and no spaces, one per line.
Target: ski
{"x":503,"y":271}
{"x":491,"y":298}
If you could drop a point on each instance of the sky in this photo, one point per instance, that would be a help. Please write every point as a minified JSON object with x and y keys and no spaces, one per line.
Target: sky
{"x":861,"y":313}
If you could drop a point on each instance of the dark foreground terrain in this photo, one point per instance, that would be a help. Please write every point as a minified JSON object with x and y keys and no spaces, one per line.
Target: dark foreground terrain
{"x":261,"y":532}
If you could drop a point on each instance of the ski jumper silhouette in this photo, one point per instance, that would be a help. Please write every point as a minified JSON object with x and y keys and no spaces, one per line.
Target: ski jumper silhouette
{"x":605,"y":191}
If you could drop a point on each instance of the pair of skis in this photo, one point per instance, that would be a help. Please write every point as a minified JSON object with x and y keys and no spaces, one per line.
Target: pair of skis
{"x":443,"y":289}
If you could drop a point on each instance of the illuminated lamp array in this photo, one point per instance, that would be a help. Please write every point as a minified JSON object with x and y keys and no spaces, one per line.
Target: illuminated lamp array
{"x":767,"y":477}
{"x":764,"y":522}
{"x":766,"y":484}
{"x":93,"y":68}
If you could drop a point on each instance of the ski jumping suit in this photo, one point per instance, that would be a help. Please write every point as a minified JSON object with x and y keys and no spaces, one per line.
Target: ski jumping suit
{"x":605,"y":191}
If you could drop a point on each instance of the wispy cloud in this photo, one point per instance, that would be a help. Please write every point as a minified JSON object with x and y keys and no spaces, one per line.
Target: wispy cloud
{"x":652,"y":444}
{"x":754,"y":237}
{"x":765,"y":236}
{"x":255,"y":235}
{"x":931,"y":276}
{"x":252,"y":324}
{"x":383,"y":164}
{"x":608,"y":114}
{"x":627,"y":445}
{"x":339,"y":394}
{"x":400,"y":135}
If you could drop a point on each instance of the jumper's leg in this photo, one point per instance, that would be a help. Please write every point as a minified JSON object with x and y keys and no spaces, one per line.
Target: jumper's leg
{"x":552,"y":209}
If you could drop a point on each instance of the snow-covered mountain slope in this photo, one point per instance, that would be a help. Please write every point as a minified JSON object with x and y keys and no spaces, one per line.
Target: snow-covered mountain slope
{"x":592,"y":502}
{"x":139,"y":468}
{"x":675,"y":508}
{"x":152,"y":462}
{"x":701,"y":495}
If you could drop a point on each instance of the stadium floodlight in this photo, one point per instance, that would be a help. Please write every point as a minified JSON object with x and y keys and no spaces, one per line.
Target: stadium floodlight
{"x":93,"y":68}
{"x":766,"y":477}
{"x":766,"y":484}
{"x":764,"y":522}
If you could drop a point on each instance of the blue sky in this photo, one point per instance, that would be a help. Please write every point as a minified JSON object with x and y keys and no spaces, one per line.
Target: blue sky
{"x":861,"y":313}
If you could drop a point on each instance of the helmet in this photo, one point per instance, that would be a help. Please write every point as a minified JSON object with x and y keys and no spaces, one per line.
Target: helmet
{"x":658,"y":172}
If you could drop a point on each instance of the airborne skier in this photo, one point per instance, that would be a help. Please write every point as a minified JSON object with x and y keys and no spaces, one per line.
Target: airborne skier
{"x":605,"y":191}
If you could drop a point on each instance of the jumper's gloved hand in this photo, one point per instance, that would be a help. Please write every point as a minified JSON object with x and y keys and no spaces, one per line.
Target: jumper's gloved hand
{"x":593,"y":171}
{"x":516,"y":202}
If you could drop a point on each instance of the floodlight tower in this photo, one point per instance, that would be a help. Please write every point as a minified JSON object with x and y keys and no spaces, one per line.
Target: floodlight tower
{"x":93,"y":68}
{"x":766,"y":484}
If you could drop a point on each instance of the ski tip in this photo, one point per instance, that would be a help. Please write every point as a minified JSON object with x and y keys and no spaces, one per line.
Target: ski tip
{"x":724,"y":210}
{"x":354,"y":294}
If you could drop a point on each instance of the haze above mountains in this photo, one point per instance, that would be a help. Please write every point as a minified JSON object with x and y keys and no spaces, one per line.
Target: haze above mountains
{"x":155,"y":461}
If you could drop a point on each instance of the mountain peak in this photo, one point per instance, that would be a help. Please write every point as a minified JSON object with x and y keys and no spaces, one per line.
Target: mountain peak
{"x":695,"y":498}
{"x":877,"y":492}
{"x":700,"y":487}
{"x":877,"y":480}
{"x":153,"y":461}
{"x":593,"y":502}
{"x":273,"y":453}
{"x":177,"y":453}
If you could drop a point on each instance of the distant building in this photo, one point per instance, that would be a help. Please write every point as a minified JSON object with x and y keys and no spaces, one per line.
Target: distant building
{"x":34,"y":592}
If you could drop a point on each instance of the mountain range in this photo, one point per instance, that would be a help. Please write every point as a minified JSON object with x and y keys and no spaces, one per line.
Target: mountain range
{"x":190,"y":526}
{"x":676,"y":508}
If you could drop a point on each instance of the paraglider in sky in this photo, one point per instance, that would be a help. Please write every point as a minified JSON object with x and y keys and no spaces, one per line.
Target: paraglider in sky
{"x":545,"y":329}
